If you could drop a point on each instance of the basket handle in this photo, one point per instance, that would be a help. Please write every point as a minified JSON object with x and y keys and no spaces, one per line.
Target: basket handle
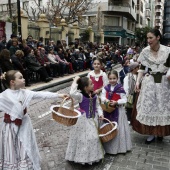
{"x":108,"y":121}
{"x":72,"y":103}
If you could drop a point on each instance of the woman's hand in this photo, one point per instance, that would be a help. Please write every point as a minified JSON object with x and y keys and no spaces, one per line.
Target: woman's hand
{"x":137,"y":89}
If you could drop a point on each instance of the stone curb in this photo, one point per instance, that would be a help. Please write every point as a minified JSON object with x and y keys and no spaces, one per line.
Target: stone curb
{"x":56,"y":83}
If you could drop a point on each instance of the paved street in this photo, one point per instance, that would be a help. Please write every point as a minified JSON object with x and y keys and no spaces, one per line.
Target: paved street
{"x":52,"y":139}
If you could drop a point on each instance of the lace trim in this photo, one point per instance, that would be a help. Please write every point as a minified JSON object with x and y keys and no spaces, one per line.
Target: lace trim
{"x":153,"y":120}
{"x":21,"y":165}
{"x":156,"y":64}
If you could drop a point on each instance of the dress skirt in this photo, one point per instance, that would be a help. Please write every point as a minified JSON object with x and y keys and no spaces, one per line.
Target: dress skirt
{"x":151,"y":112}
{"x":12,"y":153}
{"x":84,"y":145}
{"x":122,"y":142}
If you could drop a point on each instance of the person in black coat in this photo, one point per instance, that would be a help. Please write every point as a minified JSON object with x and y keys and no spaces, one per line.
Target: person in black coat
{"x":18,"y":64}
{"x":5,"y":61}
{"x":33,"y":65}
{"x":3,"y":43}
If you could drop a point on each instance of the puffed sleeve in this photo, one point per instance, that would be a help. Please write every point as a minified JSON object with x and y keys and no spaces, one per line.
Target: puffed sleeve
{"x":123,"y":99}
{"x":75,"y":93}
{"x":103,"y":96}
{"x":105,"y":79}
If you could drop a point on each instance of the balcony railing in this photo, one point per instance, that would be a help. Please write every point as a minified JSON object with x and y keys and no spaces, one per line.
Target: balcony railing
{"x":122,"y":7}
{"x":158,"y":24}
{"x":159,"y":17}
{"x":158,"y":3}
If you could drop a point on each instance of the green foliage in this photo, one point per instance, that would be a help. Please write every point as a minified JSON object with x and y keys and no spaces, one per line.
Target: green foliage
{"x":85,"y":35}
{"x":141,"y":34}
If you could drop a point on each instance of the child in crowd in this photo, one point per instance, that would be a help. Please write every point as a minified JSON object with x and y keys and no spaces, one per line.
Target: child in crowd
{"x":18,"y":147}
{"x":129,"y":86}
{"x":124,"y":71}
{"x":98,"y":77}
{"x":84,"y":144}
{"x":115,"y":94}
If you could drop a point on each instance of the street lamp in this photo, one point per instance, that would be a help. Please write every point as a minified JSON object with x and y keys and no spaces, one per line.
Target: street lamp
{"x":19,"y":19}
{"x":50,"y":16}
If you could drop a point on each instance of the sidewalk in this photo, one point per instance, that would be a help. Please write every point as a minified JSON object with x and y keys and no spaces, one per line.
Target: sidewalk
{"x":60,"y":80}
{"x":56,"y":81}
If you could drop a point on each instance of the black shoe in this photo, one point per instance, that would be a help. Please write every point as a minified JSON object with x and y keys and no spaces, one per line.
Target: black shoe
{"x":160,"y":139}
{"x":149,"y":142}
{"x":48,"y":79}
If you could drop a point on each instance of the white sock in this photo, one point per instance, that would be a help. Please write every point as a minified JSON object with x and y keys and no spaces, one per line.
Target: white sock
{"x":150,"y":138}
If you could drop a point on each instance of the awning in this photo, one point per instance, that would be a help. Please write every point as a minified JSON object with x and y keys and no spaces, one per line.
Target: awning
{"x":123,"y":33}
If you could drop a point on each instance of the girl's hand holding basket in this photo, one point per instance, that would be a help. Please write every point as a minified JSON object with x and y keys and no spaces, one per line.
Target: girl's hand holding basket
{"x":64,"y":96}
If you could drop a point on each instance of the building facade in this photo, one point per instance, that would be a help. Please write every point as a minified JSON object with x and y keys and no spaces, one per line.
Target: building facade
{"x":159,"y":14}
{"x":166,"y":25}
{"x":116,"y":18}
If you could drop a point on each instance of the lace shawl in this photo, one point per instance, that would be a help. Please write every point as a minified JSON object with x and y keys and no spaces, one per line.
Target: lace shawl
{"x":14,"y":102}
{"x":147,"y":59}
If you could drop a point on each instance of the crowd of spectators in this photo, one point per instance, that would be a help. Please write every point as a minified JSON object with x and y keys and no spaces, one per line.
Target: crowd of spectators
{"x":34,"y":59}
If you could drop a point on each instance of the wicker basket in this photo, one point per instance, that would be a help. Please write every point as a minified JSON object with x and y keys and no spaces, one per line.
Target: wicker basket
{"x":106,"y":107}
{"x":65,"y":115}
{"x":108,"y":131}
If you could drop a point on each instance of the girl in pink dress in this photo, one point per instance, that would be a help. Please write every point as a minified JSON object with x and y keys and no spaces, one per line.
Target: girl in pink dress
{"x":98,"y":77}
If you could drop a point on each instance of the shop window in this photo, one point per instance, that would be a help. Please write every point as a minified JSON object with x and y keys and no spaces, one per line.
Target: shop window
{"x":111,"y":21}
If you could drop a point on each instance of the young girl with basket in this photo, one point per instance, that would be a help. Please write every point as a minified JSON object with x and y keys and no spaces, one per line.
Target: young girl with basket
{"x":115,"y":95}
{"x":98,"y":77}
{"x":84,"y":144}
{"x":18,"y":147}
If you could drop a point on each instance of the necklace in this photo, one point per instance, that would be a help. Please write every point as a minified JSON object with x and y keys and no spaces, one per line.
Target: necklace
{"x":155,"y":50}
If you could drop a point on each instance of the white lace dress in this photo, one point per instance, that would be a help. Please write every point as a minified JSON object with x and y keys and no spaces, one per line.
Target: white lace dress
{"x":153,"y":105}
{"x":84,"y":145}
{"x":18,"y":147}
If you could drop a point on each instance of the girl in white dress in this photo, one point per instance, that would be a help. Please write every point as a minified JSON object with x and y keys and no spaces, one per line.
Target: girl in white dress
{"x":18,"y":147}
{"x":84,"y":144}
{"x":115,"y":94}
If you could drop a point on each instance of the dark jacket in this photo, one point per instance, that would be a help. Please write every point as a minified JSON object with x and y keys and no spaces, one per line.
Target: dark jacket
{"x":17,"y":63}
{"x":32,"y":63}
{"x":6,"y":65}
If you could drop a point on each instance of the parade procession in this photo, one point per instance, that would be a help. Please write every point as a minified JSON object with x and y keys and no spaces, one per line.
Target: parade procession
{"x":84,"y":85}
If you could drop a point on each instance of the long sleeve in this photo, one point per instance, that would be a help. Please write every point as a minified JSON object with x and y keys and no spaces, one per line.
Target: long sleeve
{"x":123,"y":99}
{"x":126,"y":85}
{"x":105,"y":79}
{"x":103,"y":96}
{"x":75,"y":93}
{"x":51,"y":58}
{"x":45,"y":95}
{"x":59,"y":59}
{"x":98,"y":107}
